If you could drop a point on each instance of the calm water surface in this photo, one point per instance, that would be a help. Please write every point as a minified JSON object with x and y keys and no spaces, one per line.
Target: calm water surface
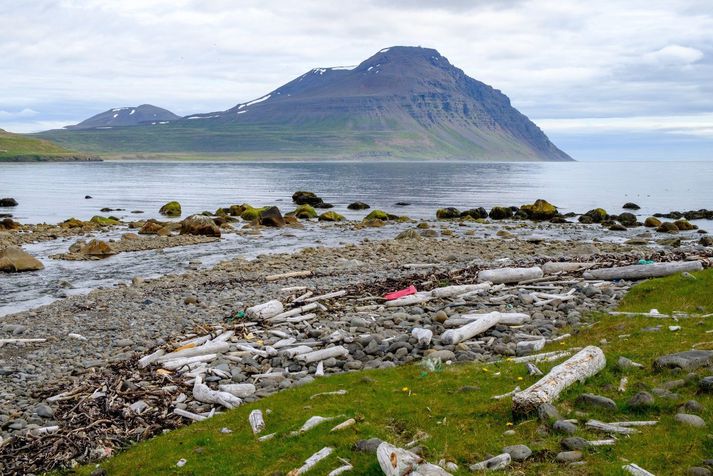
{"x":52,"y":192}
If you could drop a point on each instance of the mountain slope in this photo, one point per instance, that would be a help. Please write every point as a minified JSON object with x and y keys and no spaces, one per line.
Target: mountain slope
{"x":19,"y":147}
{"x":403,"y":102}
{"x":127,"y":116}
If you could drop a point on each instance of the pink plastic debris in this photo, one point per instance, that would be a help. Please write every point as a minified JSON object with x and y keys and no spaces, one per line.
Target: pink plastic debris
{"x":398,"y":294}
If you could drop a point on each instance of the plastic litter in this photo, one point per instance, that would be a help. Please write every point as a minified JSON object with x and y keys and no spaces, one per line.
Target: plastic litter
{"x":646,"y":261}
{"x":401,"y":293}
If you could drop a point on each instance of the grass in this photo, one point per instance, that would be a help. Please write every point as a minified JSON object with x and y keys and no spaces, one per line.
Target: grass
{"x":18,"y":146}
{"x":455,"y":408}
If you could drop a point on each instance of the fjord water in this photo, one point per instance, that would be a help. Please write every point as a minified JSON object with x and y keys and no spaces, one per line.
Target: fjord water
{"x":52,"y":192}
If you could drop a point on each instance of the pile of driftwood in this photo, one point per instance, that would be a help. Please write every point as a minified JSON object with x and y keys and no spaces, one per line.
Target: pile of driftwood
{"x":103,"y":413}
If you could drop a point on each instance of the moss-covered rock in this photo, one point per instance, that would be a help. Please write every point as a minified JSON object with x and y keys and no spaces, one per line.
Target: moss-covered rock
{"x":171,"y":209}
{"x":9,"y":224}
{"x":596,"y":215}
{"x":447,"y":213}
{"x":331,"y":216}
{"x":304,"y":212}
{"x":685,"y":225}
{"x":475,"y":213}
{"x":377,"y":215}
{"x":250,"y":213}
{"x":104,"y":221}
{"x":667,"y":227}
{"x":627,"y":219}
{"x":72,"y":223}
{"x":358,"y":206}
{"x":199,"y":225}
{"x":500,"y":213}
{"x":540,"y":210}
{"x":222,"y":212}
{"x":373,"y":222}
{"x":306,"y":198}
{"x":151,"y":227}
{"x":236,"y":210}
{"x":652,"y":222}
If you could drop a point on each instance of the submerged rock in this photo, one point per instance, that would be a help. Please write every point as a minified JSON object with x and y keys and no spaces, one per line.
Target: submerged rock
{"x":358,"y":206}
{"x":630,"y":206}
{"x":500,"y":213}
{"x":377,"y":215}
{"x":447,"y":213}
{"x":304,"y":212}
{"x":331,"y":216}
{"x":171,"y":209}
{"x":97,"y":248}
{"x":14,"y":259}
{"x":151,"y":227}
{"x":667,"y":227}
{"x":306,"y":198}
{"x":475,"y":213}
{"x":685,"y":225}
{"x":104,"y":221}
{"x":596,"y":215}
{"x":652,"y":222}
{"x":627,"y":219}
{"x":8,"y":202}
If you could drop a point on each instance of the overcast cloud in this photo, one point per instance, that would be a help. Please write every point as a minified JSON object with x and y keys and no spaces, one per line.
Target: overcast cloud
{"x":582,"y":70}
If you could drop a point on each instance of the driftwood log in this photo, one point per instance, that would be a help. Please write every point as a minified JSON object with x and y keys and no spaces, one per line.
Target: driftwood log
{"x":478,"y":326}
{"x":509,"y":275}
{"x":314,"y":356}
{"x":265,"y":310}
{"x":257,"y":423}
{"x":400,"y":462}
{"x":643,"y":271}
{"x":582,"y":365}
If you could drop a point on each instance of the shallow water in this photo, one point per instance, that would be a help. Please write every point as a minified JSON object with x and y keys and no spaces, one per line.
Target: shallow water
{"x":52,"y":192}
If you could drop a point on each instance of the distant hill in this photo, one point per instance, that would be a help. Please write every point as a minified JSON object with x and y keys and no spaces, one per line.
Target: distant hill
{"x":126,"y":116}
{"x":23,"y":148}
{"x":402,"y":103}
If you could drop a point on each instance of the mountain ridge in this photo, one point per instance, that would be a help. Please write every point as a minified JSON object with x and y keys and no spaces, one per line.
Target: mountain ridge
{"x":402,"y":102}
{"x":126,"y":116}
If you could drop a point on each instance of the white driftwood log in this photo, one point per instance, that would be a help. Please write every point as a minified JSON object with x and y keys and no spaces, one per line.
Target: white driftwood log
{"x":205,"y":349}
{"x":333,"y":295}
{"x":265,"y":310}
{"x":454,"y":336}
{"x":312,"y":461}
{"x":400,"y":462}
{"x":205,"y":394}
{"x":256,"y":421}
{"x":294,"y":312}
{"x":149,"y":359}
{"x":343,"y":425}
{"x":584,"y":364}
{"x":319,"y":371}
{"x":174,"y":364}
{"x":608,"y":428}
{"x":552,"y":267}
{"x":509,"y":275}
{"x":643,"y":271}
{"x":340,"y":470}
{"x":294,"y":351}
{"x":323,"y":354}
{"x":495,"y":463}
{"x":450,"y":291}
{"x":293,"y":274}
{"x":240,"y":390}
{"x":636,"y":470}
{"x":189,"y":415}
{"x":423,"y":336}
{"x":313,"y":422}
{"x":417,"y":298}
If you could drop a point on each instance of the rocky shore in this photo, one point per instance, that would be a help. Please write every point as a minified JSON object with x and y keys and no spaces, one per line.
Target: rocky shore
{"x":81,"y":338}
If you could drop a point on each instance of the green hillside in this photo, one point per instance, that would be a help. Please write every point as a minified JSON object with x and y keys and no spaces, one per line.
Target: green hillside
{"x":21,"y":148}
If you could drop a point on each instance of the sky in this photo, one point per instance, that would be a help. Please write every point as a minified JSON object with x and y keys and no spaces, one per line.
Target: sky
{"x":605,"y":79}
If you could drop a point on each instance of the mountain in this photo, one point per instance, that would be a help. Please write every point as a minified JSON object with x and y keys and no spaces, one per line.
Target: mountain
{"x":23,"y":148}
{"x":402,"y":103}
{"x":126,"y":116}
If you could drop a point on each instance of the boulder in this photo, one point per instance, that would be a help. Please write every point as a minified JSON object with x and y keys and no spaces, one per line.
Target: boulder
{"x":667,"y":227}
{"x":236,"y":210}
{"x":688,"y":360}
{"x":706,"y":241}
{"x":97,"y":248}
{"x":475,"y":213}
{"x":358,"y":206}
{"x":540,"y":210}
{"x":652,"y":222}
{"x":8,"y":224}
{"x":72,"y":223}
{"x":685,"y":225}
{"x":447,"y":213}
{"x":331,"y":216}
{"x":306,"y":198}
{"x":250,"y":213}
{"x":597,"y":215}
{"x":271,"y":216}
{"x":14,"y":259}
{"x":304,"y":212}
{"x":627,"y":219}
{"x":500,"y":213}
{"x":630,"y":206}
{"x":377,"y":215}
{"x":171,"y":209}
{"x":199,"y":225}
{"x":8,"y":202}
{"x":151,"y":227}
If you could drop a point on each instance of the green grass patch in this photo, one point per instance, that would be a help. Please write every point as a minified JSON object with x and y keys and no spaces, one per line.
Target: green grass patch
{"x":454,"y":406}
{"x":673,"y":293}
{"x":19,"y":146}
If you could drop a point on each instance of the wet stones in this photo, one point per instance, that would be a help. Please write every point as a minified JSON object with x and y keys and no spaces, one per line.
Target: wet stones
{"x":447,"y":213}
{"x":8,"y":202}
{"x":358,"y":206}
{"x":652,"y":222}
{"x":271,"y":217}
{"x":630,"y":206}
{"x":171,"y":209}
{"x":500,"y":213}
{"x":199,"y":225}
